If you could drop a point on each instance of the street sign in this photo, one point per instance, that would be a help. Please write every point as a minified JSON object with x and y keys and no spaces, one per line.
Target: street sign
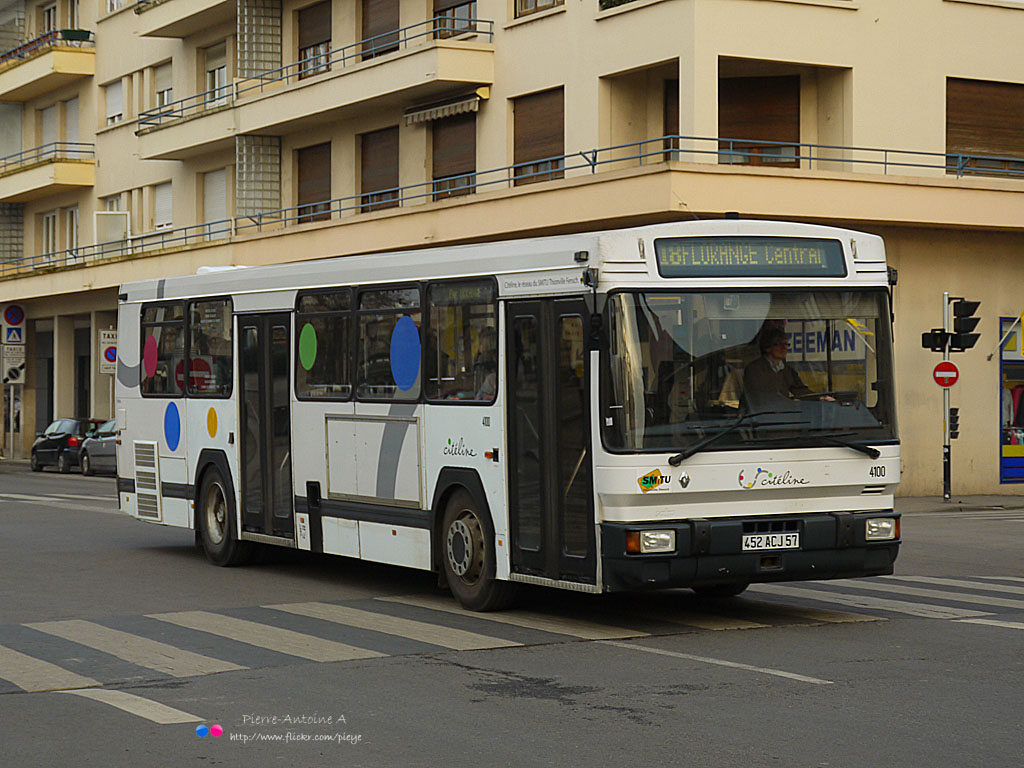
{"x":12,"y":335}
{"x":12,"y":363}
{"x":946,"y":374}
{"x":108,"y":351}
{"x":14,"y":315}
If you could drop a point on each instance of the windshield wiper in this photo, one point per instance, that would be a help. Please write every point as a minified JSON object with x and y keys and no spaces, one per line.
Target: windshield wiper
{"x":834,"y":440}
{"x":686,"y":453}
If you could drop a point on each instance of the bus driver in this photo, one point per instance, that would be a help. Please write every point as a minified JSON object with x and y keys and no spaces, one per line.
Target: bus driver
{"x":769,"y":374}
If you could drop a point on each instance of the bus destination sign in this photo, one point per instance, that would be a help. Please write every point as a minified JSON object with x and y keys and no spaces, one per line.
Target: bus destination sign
{"x":749,"y":257}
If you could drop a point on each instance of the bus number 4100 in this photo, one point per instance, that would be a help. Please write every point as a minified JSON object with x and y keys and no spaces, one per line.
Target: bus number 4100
{"x":877,"y":471}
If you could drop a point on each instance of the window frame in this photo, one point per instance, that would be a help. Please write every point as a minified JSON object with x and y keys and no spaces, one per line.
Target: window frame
{"x":188,"y":347}
{"x":142,"y":343}
{"x":357,"y":379}
{"x":186,"y":305}
{"x":428,"y":334}
{"x":351,"y":313}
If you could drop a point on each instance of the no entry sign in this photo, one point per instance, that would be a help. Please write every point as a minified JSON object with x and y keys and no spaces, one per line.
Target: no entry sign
{"x":946,"y":374}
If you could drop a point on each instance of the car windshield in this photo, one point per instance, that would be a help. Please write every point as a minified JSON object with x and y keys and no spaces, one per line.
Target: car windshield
{"x":800,"y":367}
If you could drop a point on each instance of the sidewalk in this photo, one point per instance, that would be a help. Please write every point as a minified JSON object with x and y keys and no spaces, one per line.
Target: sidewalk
{"x":924,"y":504}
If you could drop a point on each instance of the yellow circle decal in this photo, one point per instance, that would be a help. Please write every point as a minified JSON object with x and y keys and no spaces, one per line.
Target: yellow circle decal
{"x":211,"y":422}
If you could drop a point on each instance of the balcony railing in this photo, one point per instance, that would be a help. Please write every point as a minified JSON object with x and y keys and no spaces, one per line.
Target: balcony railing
{"x":55,"y":150}
{"x":822,"y":157}
{"x":438,"y":28}
{"x":76,"y":38}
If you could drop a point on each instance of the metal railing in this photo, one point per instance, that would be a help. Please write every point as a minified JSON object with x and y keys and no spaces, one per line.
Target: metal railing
{"x":437,"y":28}
{"x":714,"y":151}
{"x":55,"y":150}
{"x":78,"y":38}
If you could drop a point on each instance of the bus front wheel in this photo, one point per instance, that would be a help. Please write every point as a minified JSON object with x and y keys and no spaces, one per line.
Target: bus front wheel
{"x":216,"y":515}
{"x":468,"y":556}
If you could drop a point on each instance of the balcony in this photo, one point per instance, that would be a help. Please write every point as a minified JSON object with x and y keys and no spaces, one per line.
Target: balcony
{"x":46,"y":170}
{"x":425,"y":61}
{"x":46,"y":63}
{"x":181,"y":18}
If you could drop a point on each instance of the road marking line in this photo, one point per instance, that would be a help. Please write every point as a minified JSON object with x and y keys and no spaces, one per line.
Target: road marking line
{"x":995,"y":623}
{"x":266,"y":636}
{"x":721,"y":663}
{"x":526,"y":619}
{"x":956,"y":597}
{"x":817,"y":614}
{"x":1000,"y":578}
{"x":141,"y":651}
{"x":111,"y":497}
{"x":706,"y":621}
{"x":457,"y":639}
{"x":923,"y":610}
{"x":33,"y":675}
{"x":960,"y":583}
{"x":136,"y":705}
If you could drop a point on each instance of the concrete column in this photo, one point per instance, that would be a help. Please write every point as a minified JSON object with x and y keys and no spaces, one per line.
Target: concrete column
{"x":64,"y":367}
{"x":101,"y":384}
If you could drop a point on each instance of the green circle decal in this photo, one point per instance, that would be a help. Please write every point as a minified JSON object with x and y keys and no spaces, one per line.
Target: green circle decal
{"x":307,"y":346}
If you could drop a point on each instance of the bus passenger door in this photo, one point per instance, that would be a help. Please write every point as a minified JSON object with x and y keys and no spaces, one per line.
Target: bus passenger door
{"x":265,"y":424}
{"x":550,"y":486}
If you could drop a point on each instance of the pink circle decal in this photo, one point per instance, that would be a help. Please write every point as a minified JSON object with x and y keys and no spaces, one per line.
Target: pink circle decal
{"x":216,"y":730}
{"x":149,"y":356}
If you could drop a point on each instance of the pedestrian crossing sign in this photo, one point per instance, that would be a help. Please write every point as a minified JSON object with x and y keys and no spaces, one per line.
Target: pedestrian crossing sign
{"x":12,"y":335}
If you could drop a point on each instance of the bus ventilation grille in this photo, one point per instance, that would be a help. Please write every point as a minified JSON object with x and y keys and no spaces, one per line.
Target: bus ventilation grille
{"x":873,"y":490}
{"x":147,"y":481}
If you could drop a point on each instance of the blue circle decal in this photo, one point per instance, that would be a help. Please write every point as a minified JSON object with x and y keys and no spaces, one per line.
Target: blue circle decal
{"x":405,"y":353}
{"x":172,"y":426}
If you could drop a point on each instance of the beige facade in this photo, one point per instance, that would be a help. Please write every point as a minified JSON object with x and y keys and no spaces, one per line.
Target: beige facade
{"x":192,"y":118}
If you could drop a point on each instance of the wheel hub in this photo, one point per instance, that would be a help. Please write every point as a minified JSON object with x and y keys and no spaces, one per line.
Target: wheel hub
{"x":216,"y":516}
{"x":460,"y":547}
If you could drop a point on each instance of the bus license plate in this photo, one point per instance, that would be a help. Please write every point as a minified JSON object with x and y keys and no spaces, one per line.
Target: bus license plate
{"x":753,"y":542}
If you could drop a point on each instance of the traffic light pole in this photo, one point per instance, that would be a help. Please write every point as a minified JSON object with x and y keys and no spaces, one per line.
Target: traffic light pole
{"x":947,"y":470}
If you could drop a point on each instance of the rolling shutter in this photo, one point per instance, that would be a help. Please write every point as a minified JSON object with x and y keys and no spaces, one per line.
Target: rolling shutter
{"x":539,"y":128}
{"x":984,"y":118}
{"x":71,"y":120}
{"x":48,"y":126}
{"x":314,"y":177}
{"x":113,"y":98}
{"x":215,"y":195}
{"x":380,"y":168}
{"x":454,"y":145}
{"x":314,"y":25}
{"x":765,"y":108}
{"x":162,"y":206}
{"x":380,"y":17}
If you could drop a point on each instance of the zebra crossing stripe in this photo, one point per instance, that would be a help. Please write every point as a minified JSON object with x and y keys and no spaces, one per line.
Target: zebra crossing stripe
{"x":529,"y":620}
{"x":960,"y":583}
{"x":266,"y":636}
{"x":136,"y":705}
{"x":956,"y":597}
{"x":706,"y":621}
{"x":923,"y":610}
{"x":456,"y":639}
{"x":33,"y":675}
{"x":140,"y":651}
{"x":995,"y":623}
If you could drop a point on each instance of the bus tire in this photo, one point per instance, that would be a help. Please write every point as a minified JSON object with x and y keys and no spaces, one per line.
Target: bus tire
{"x":215,"y":521}
{"x":468,"y":557}
{"x":715,"y":591}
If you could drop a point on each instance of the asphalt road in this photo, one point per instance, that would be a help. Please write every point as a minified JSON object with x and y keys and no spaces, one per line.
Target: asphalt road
{"x":118,"y":641}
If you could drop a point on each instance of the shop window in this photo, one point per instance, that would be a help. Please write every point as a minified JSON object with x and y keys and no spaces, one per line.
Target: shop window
{"x":388,"y":349}
{"x":1011,"y":411}
{"x":323,"y":328}
{"x":210,"y":357}
{"x":759,"y":120}
{"x":462,"y":345}
{"x":163,"y":350}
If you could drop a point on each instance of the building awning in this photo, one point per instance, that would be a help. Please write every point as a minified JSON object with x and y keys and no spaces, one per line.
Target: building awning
{"x":460,"y":106}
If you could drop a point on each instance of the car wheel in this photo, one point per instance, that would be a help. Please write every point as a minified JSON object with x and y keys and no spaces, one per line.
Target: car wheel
{"x":468,"y":557}
{"x":63,"y":464}
{"x":86,"y":464}
{"x":34,"y":463}
{"x":216,"y":523}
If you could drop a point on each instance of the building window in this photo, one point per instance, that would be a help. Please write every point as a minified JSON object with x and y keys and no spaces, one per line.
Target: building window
{"x":215,"y":203}
{"x":48,"y":232}
{"x":215,"y":66}
{"x":454,"y":17}
{"x":162,"y":206}
{"x":670,"y":117}
{"x":752,"y":110}
{"x":313,"y":174}
{"x":114,"y":5}
{"x":539,"y":143}
{"x":48,"y":130}
{"x":984,"y":127}
{"x":453,"y":143}
{"x":380,"y":27}
{"x":163,"y":85}
{"x":379,"y":166}
{"x":526,"y":7}
{"x":48,"y":18}
{"x":74,"y":14}
{"x":314,"y":39}
{"x":112,"y":203}
{"x":71,"y":229}
{"x":71,"y":125}
{"x":115,"y":106}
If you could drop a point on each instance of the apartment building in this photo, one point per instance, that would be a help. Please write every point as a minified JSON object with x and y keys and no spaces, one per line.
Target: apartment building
{"x":145,"y":139}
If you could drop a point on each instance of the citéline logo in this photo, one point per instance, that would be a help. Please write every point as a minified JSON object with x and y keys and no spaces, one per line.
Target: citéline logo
{"x":202,"y":731}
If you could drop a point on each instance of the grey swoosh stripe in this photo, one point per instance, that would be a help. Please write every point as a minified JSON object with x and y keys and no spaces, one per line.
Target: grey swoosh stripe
{"x":391,"y":450}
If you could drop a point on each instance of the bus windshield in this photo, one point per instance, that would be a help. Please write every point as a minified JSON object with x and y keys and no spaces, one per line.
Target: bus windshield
{"x":780,"y":367}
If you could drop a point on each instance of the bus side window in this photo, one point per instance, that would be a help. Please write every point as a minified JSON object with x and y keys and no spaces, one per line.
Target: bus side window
{"x":210,"y":354}
{"x":323,"y":334}
{"x":163,"y":350}
{"x":462,"y":343}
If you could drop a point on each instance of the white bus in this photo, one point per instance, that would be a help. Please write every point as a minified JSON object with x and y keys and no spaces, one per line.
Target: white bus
{"x":704,"y":404}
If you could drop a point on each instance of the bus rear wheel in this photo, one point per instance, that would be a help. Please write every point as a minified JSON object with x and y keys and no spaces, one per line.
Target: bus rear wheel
{"x":468,"y":557}
{"x":215,"y":521}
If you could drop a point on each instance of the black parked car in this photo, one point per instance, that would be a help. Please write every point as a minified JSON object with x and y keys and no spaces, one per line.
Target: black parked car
{"x":61,"y":442}
{"x":99,"y":450}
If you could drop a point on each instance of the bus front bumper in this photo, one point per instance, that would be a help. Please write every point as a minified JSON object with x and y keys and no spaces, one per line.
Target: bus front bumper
{"x":710,"y":552}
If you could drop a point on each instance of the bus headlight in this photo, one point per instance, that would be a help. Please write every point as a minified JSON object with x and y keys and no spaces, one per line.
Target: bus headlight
{"x":657,"y":541}
{"x":881,"y":528}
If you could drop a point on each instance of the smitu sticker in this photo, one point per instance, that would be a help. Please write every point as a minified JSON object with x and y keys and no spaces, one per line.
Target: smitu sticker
{"x":654,"y":480}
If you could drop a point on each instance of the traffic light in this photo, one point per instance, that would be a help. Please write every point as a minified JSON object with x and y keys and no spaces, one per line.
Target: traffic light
{"x":935,"y":340}
{"x":954,"y":423}
{"x":964,"y":322}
